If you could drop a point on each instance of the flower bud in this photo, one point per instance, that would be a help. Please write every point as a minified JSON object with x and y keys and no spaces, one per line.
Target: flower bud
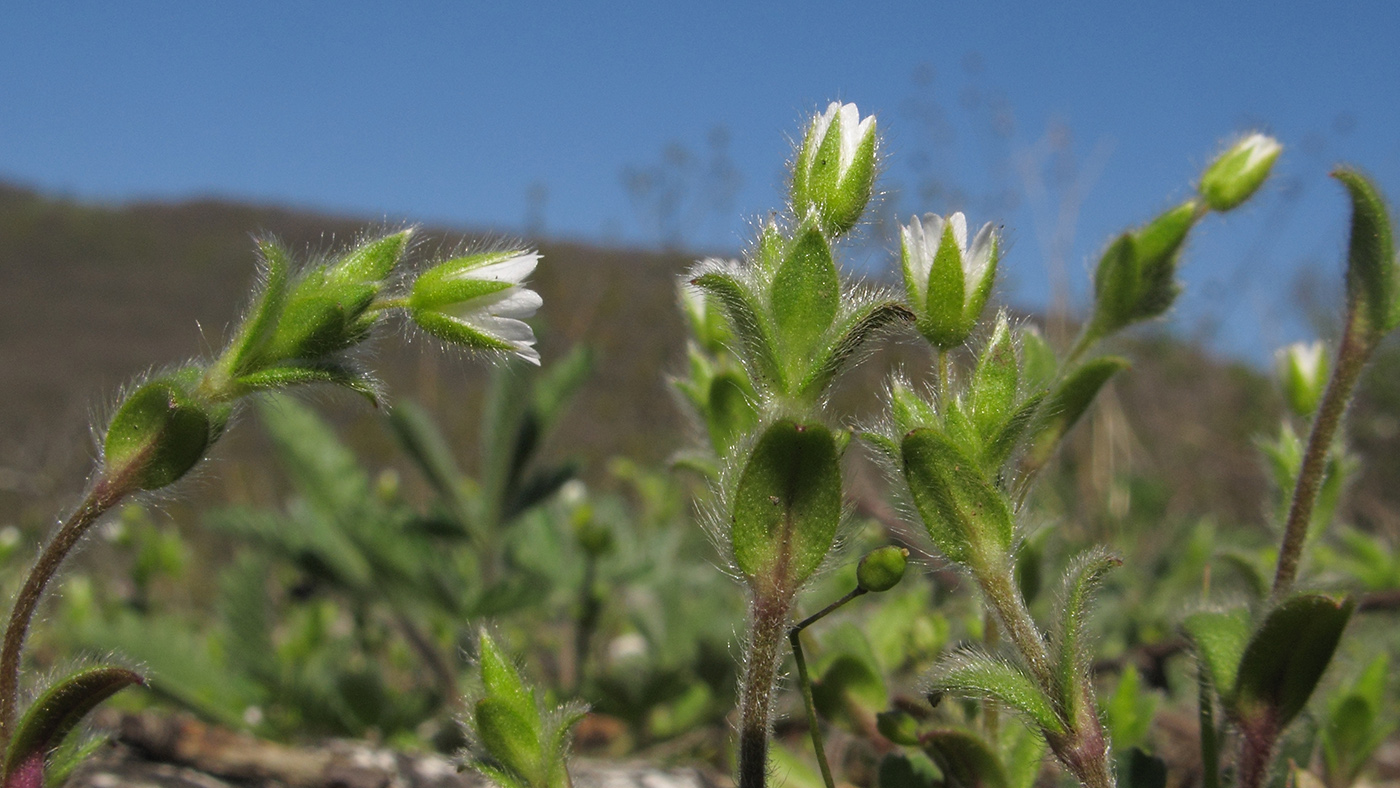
{"x":478,"y":301}
{"x":881,"y":569}
{"x":160,"y":431}
{"x":327,"y":310}
{"x":1302,"y":369}
{"x":1239,"y":172}
{"x":1373,"y":279}
{"x":947,"y":282}
{"x":835,"y":171}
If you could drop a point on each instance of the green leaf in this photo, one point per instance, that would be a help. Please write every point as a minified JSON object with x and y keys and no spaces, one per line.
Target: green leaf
{"x":899,"y":727}
{"x":1000,"y":446}
{"x":902,"y":771}
{"x":965,"y":515}
{"x":1068,"y":402}
{"x":850,"y":687}
{"x":1287,"y":656}
{"x":512,"y":738}
{"x":1220,"y":639}
{"x":730,"y":410}
{"x":787,"y":505}
{"x":159,"y":433}
{"x":1074,"y":660}
{"x":1371,"y":277}
{"x":995,"y":381}
{"x":309,"y":372}
{"x":805,"y":295}
{"x":854,"y":329}
{"x":965,"y":760}
{"x":503,"y":683}
{"x":976,"y":675}
{"x":1128,"y":712}
{"x":55,"y":713}
{"x":423,"y":441}
{"x":258,"y":324}
{"x":748,"y":320}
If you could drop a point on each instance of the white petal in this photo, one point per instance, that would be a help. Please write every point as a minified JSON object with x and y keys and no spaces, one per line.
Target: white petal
{"x":977,"y":259}
{"x":514,"y":269}
{"x":933,"y":232}
{"x":959,"y":223}
{"x":504,"y":328}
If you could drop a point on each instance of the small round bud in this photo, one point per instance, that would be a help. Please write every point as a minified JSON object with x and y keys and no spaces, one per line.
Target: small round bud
{"x":1239,"y":172}
{"x":882,"y":569}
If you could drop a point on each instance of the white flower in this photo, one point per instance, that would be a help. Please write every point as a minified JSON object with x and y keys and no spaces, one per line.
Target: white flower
{"x":852,"y":132}
{"x":480,"y":301}
{"x":1302,"y":367}
{"x":835,"y":171}
{"x":1239,"y":172}
{"x":947,"y":302}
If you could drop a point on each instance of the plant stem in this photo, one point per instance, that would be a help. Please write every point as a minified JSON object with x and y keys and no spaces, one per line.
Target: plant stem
{"x":101,"y":496}
{"x":1351,"y":358}
{"x":1210,"y":745}
{"x":767,"y":623}
{"x":589,"y":608}
{"x":991,"y":636}
{"x":804,"y":681}
{"x":1005,"y":599}
{"x":942,"y":377}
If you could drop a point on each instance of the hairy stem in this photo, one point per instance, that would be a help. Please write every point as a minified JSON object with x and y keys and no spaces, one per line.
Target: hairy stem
{"x":767,"y":623}
{"x":105,"y":493}
{"x":1351,"y":358}
{"x":1010,"y":607}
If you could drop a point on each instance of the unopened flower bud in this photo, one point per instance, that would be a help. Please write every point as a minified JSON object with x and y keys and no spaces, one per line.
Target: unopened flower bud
{"x":1302,"y":369}
{"x":881,"y":569}
{"x":1239,"y":172}
{"x":835,"y":171}
{"x":947,"y":281}
{"x":478,"y":301}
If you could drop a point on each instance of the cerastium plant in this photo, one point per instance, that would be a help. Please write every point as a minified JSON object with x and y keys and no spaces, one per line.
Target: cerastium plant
{"x":303,"y":327}
{"x":965,"y":447}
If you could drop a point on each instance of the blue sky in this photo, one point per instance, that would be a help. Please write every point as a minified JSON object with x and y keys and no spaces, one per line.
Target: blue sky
{"x":458,"y":112}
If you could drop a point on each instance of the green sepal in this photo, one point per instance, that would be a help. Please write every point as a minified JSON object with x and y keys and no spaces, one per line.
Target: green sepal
{"x":966,"y":516}
{"x":459,"y":332}
{"x":748,"y":321}
{"x":977,"y":675}
{"x":371,"y":261}
{"x":310,"y":372}
{"x":1220,"y":638}
{"x":436,"y":289}
{"x":787,"y":504}
{"x":54,"y":714}
{"x":160,"y":432}
{"x":1287,"y":656}
{"x":1372,"y":281}
{"x":965,"y":760}
{"x":1068,"y":401}
{"x":1135,"y":279}
{"x":944,"y":321}
{"x":1237,"y":173}
{"x":319,"y":318}
{"x":1073,"y":659}
{"x":804,"y":296}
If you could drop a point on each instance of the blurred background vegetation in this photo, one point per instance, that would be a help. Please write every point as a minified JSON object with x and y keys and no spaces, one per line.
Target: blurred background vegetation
{"x":326,"y":576}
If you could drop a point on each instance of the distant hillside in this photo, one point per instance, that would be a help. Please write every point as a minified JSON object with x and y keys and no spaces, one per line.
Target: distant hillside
{"x":91,"y":295}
